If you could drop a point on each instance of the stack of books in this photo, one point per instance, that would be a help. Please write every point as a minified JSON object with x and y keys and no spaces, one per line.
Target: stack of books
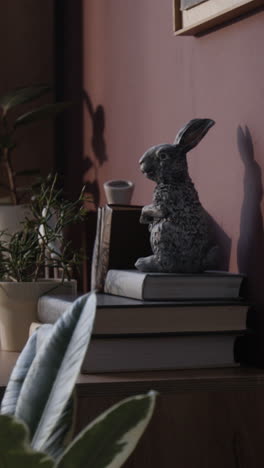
{"x":200,"y":317}
{"x":161,"y":322}
{"x":150,"y":321}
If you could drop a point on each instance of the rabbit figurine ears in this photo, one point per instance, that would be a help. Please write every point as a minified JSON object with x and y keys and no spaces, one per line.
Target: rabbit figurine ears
{"x":191,"y":134}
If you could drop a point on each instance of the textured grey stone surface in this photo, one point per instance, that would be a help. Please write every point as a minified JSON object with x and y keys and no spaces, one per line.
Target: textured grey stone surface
{"x":178,"y":224}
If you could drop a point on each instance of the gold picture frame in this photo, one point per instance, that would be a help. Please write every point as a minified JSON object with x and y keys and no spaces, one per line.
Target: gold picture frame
{"x":209,"y":14}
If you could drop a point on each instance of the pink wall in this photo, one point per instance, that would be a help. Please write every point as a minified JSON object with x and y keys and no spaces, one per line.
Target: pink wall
{"x":150,"y":83}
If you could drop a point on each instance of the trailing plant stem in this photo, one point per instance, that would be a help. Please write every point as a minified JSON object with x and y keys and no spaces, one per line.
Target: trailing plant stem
{"x":10,"y":176}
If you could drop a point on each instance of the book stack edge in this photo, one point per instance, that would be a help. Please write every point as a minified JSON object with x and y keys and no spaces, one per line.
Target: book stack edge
{"x":209,"y":336}
{"x":135,"y":335}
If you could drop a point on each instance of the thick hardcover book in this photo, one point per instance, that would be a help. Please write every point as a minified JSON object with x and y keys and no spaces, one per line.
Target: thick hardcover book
{"x":118,"y":315}
{"x":120,"y":240}
{"x":114,"y":354}
{"x":156,"y":352}
{"x":173,"y":286}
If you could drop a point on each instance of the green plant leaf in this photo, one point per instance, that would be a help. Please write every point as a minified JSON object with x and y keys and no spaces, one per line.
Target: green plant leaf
{"x":41,"y":113}
{"x":43,"y":333}
{"x":109,"y":440}
{"x":15,"y":450}
{"x":53,"y":373}
{"x":22,"y":96}
{"x":18,"y":375}
{"x":63,"y":432}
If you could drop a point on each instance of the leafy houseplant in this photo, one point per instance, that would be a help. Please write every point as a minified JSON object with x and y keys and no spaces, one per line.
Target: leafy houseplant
{"x":27,"y":255}
{"x":37,"y":408}
{"x":40,"y":243}
{"x":8,"y":127}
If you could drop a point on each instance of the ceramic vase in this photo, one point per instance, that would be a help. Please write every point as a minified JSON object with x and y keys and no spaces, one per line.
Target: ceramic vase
{"x":119,"y":191}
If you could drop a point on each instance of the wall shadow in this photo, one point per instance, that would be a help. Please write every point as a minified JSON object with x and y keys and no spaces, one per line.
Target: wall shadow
{"x":94,"y":161}
{"x":250,"y":248}
{"x":220,"y":238}
{"x":90,"y":169}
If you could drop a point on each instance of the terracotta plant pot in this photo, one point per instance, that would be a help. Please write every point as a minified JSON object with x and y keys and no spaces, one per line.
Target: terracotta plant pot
{"x":18,"y":308}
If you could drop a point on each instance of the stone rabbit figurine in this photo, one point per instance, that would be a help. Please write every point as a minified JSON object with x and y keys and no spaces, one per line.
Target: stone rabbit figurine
{"x":178,"y":224}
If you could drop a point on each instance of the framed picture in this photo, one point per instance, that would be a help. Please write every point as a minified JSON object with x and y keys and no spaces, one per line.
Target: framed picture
{"x":193,"y":17}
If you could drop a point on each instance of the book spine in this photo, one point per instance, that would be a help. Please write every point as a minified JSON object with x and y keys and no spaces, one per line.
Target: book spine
{"x":96,"y":250}
{"x":104,"y":245}
{"x":105,"y":242}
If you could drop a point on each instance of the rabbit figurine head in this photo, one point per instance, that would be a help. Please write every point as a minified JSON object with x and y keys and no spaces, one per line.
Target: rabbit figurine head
{"x":167,"y":163}
{"x":179,"y":231}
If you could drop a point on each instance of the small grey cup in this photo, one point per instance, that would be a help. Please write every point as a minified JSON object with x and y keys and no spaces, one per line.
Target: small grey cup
{"x":118,"y":191}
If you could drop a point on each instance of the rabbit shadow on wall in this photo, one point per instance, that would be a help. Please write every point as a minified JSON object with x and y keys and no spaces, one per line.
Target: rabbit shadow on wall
{"x":93,"y":162}
{"x":222,"y":239}
{"x":250,"y":247}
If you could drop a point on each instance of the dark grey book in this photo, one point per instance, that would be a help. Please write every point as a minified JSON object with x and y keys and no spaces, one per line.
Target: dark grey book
{"x":173,"y":286}
{"x":119,"y":315}
{"x":121,"y":354}
{"x":126,"y":353}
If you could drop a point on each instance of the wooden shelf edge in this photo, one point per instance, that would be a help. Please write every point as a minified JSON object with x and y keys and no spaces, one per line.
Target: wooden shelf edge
{"x":195,"y":380}
{"x":165,"y":382}
{"x":216,"y":20}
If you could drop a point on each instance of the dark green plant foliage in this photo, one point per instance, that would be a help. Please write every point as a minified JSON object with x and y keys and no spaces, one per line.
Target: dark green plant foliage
{"x":41,"y":242}
{"x":110,"y":438}
{"x":55,"y":368}
{"x":20,"y":253}
{"x":22,"y":95}
{"x":40,"y":388}
{"x":63,"y":430}
{"x":41,"y":113}
{"x":15,"y":449}
{"x":8,"y":126}
{"x":104,"y":438}
{"x":39,"y":394}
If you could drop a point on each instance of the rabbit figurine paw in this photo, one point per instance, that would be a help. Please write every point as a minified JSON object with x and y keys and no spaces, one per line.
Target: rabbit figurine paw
{"x":178,"y":224}
{"x":149,"y":213}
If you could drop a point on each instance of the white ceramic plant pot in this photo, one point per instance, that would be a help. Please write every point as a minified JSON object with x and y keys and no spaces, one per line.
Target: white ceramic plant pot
{"x":118,"y":191}
{"x":18,"y":308}
{"x":11,"y":217}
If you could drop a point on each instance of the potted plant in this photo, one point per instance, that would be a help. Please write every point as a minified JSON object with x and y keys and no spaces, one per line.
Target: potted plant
{"x":13,"y":117}
{"x":37,"y":408}
{"x":27,"y":255}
